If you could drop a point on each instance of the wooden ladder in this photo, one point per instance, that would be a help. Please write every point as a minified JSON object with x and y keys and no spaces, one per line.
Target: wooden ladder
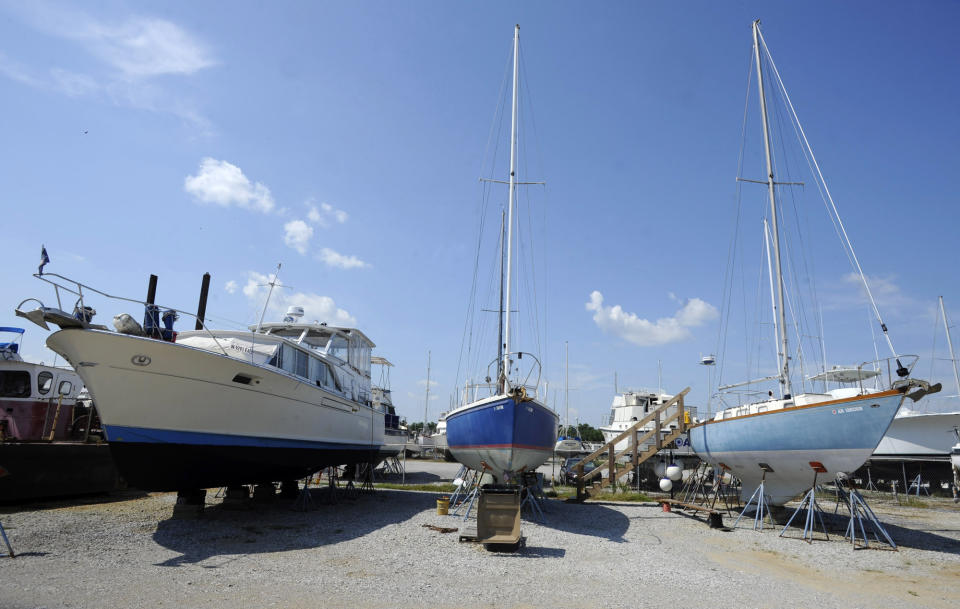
{"x":636,"y":437}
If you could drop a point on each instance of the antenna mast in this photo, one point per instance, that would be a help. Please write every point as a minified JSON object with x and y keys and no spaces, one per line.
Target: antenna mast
{"x":273,"y":282}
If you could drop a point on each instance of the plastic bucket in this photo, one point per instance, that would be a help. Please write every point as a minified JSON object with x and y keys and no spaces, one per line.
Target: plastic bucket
{"x":443,"y":504}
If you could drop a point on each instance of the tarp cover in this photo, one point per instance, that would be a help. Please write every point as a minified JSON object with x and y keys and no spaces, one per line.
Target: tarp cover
{"x":239,"y":348}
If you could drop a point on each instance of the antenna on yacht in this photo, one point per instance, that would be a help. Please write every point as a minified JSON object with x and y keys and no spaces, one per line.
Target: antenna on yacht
{"x":426,"y":400}
{"x":272,"y":284}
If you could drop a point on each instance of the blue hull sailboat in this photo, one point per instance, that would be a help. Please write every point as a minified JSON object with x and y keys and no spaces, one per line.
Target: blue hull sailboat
{"x":783,"y":440}
{"x":510,"y":431}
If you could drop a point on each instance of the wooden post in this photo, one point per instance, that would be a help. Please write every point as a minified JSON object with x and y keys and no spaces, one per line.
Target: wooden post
{"x":636,"y":457}
{"x":656,"y":428}
{"x":612,"y":466}
{"x":683,"y":416}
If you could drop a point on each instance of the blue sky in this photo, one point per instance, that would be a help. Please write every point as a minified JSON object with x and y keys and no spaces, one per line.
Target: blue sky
{"x":344,"y":140}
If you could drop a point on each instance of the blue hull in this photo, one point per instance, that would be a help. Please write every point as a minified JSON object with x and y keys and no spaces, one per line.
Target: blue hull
{"x":504,"y":434}
{"x":841,"y":435}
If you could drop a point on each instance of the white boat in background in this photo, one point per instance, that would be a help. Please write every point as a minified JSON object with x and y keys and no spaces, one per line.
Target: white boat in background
{"x":630,"y":406}
{"x":219,"y":408}
{"x":785,"y":439}
{"x":566,"y":445}
{"x":381,"y":397}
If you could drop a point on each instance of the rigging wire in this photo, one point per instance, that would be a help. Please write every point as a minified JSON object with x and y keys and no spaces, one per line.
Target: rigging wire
{"x":832,"y":205}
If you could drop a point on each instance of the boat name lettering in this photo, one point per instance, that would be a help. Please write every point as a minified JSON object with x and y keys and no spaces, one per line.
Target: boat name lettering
{"x":848,"y":409}
{"x":140,"y":360}
{"x":242,"y":349}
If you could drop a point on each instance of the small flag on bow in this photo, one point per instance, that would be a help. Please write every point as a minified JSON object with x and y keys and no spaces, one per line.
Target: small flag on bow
{"x":44,"y":259}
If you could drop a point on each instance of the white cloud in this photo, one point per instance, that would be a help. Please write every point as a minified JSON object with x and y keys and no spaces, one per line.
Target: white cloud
{"x":230,"y":287}
{"x":337,"y":260}
{"x":628,"y":326}
{"x":223,"y":184}
{"x":144,"y":47}
{"x":325,"y":214}
{"x":315,"y":307}
{"x":297,"y":234}
{"x":423,"y":383}
{"x":133,"y":53}
{"x":73,"y":84}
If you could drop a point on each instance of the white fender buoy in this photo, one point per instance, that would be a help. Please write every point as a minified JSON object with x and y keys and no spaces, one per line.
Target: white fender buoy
{"x":674,"y":472}
{"x":666,"y":485}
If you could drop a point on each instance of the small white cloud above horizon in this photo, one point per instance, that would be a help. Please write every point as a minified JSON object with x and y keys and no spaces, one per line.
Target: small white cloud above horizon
{"x":632,"y":328}
{"x":224,"y":184}
{"x":325,"y":213}
{"x":231,"y":287}
{"x":297,"y":234}
{"x":315,"y":306}
{"x":341,"y":261}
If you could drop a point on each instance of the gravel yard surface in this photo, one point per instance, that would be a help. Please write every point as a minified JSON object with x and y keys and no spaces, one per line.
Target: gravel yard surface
{"x":373,"y":551}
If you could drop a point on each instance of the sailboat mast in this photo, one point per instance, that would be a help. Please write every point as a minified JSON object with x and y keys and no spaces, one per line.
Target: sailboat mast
{"x":501,"y":372}
{"x":513,"y":186}
{"x":953,"y":359}
{"x":781,"y":312}
{"x":426,"y":399}
{"x":566,"y":389}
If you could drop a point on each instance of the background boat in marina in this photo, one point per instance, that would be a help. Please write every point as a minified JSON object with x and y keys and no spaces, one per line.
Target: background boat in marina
{"x":51,"y":444}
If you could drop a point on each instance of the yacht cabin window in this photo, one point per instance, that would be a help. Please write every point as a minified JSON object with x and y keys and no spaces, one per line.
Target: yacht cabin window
{"x":44,"y":382}
{"x":15,"y":384}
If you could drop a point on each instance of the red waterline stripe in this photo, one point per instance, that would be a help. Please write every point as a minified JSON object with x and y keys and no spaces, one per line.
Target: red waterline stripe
{"x":531,"y":446}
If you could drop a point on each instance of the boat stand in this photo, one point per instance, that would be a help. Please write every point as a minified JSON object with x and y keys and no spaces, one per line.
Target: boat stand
{"x":462,"y":475}
{"x":870,"y":485}
{"x":812,"y":508}
{"x":859,"y":510}
{"x":467,"y":493}
{"x":918,"y":483}
{"x":7,"y":542}
{"x":534,"y":497}
{"x":762,"y":508}
{"x":304,"y":500}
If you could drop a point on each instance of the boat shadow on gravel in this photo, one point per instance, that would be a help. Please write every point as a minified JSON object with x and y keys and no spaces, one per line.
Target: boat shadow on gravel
{"x":593,"y":519}
{"x":278,"y":527}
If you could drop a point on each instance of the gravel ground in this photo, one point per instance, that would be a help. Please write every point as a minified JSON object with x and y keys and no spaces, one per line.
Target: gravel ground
{"x":373,"y":551}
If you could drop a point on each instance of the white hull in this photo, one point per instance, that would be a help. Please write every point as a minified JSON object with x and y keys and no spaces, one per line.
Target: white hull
{"x":919,"y":436}
{"x":154,"y":392}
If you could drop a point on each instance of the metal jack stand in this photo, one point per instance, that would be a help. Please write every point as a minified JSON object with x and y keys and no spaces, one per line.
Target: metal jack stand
{"x":304,"y":500}
{"x":762,"y":507}
{"x":7,"y":542}
{"x":462,"y":474}
{"x":858,"y":511}
{"x":533,"y":485}
{"x":918,"y":483}
{"x":467,"y":493}
{"x":870,"y":485}
{"x":812,"y":507}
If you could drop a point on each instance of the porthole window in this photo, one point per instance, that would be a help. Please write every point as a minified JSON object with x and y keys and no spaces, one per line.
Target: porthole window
{"x":65,"y":387}
{"x":44,"y":382}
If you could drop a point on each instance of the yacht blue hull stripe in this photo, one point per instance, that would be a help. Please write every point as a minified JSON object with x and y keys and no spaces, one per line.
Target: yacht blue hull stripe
{"x":140,"y":435}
